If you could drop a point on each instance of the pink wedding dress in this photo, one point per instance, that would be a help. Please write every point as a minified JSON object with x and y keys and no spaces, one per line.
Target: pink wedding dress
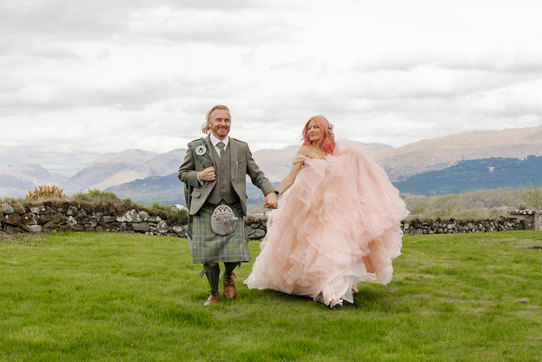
{"x":336,"y":226}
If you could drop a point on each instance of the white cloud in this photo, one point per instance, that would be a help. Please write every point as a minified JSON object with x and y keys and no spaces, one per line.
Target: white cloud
{"x":79,"y":78}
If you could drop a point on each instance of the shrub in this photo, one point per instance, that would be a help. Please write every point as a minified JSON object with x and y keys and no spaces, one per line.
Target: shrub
{"x":532,"y":195}
{"x":157,"y":206}
{"x":179,"y":217}
{"x":103,"y":199}
{"x":46,"y":192}
{"x":94,"y":195}
{"x":100,"y":194}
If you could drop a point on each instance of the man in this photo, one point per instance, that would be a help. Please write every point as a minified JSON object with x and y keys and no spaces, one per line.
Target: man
{"x":215,"y":169}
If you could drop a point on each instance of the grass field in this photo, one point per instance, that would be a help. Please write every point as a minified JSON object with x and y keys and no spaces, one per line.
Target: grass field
{"x":88,"y":296}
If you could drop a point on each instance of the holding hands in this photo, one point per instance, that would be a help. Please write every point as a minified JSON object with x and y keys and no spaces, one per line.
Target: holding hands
{"x":209,"y":174}
{"x":271,"y":201}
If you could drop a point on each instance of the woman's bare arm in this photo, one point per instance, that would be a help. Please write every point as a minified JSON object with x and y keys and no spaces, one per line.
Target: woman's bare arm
{"x":290,"y":177}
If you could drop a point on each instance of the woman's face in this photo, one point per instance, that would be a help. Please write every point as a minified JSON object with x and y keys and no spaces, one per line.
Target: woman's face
{"x":314,"y":132}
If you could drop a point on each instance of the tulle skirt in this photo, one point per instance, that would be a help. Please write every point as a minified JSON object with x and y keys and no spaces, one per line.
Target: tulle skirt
{"x":339,"y":224}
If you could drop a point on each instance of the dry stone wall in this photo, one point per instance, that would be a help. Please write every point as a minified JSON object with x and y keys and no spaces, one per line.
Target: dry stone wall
{"x":18,"y":217}
{"x":258,"y":228}
{"x":453,"y":226}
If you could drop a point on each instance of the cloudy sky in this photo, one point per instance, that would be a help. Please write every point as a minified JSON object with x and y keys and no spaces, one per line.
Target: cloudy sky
{"x":82,"y":78}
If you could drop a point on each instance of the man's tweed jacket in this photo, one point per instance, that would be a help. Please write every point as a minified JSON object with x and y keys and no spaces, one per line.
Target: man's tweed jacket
{"x":241,"y":164}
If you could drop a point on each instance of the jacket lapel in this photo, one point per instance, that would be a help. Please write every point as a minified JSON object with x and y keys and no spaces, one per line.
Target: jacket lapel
{"x":212,"y":151}
{"x":233,"y":155}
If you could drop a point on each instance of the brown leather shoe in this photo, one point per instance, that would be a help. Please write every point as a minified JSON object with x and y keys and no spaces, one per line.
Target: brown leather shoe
{"x":213,"y":298}
{"x":229,"y":290}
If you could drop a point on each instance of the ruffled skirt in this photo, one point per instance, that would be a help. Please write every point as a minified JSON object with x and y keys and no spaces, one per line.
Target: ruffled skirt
{"x":339,"y":224}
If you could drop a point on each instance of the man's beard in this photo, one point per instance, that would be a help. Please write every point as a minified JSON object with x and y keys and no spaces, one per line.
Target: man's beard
{"x":218,"y":129}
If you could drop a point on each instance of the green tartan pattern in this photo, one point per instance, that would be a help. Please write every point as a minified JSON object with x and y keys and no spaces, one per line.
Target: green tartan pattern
{"x":207,"y":247}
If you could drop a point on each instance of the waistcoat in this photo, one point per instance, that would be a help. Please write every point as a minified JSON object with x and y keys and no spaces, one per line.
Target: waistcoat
{"x":223,"y":189}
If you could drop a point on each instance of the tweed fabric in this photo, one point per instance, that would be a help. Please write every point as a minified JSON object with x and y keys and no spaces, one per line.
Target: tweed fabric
{"x":241,"y":164}
{"x":207,"y":247}
{"x":223,"y":189}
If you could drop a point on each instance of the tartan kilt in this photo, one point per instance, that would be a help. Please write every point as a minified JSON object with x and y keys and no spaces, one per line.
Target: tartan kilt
{"x":207,"y":247}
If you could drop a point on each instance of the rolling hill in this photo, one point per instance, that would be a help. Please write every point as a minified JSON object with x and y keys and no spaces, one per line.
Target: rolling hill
{"x":134,"y":168}
{"x":443,"y":152}
{"x":474,"y":175}
{"x":16,"y":180}
{"x":167,"y":190}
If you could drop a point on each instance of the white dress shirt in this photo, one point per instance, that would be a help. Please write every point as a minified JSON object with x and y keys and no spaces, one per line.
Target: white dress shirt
{"x":215,"y":140}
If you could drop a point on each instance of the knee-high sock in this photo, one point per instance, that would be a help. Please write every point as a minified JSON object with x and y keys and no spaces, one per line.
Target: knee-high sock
{"x":228,"y":267}
{"x":212,"y":272}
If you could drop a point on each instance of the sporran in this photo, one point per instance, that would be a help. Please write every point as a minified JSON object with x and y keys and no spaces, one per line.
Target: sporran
{"x":223,"y":220}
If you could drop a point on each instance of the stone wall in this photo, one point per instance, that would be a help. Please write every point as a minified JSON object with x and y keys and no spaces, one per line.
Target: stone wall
{"x":453,"y":226}
{"x":18,"y":217}
{"x":532,"y":218}
{"x":428,"y":226}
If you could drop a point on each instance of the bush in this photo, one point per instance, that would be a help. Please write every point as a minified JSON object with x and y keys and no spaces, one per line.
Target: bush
{"x":46,"y":192}
{"x":532,"y":195}
{"x":100,"y":194}
{"x":97,"y":197}
{"x":179,"y":217}
{"x":157,"y":206}
{"x":94,"y":195}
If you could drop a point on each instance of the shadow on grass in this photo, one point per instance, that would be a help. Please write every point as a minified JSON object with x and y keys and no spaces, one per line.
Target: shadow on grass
{"x":364,"y":299}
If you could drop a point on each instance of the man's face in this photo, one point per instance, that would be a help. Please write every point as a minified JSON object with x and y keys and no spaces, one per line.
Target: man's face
{"x":220,"y":123}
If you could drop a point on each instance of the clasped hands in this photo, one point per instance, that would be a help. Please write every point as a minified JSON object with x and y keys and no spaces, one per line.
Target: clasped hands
{"x":270,"y":201}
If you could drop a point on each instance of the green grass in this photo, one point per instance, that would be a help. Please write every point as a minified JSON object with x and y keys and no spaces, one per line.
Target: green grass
{"x":90,"y":296}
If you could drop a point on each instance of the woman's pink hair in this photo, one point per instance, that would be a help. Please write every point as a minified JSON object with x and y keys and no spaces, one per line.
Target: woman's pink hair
{"x":327,"y":142}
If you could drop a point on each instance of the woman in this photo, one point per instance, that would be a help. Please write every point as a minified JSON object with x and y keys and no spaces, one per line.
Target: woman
{"x":338,"y":223}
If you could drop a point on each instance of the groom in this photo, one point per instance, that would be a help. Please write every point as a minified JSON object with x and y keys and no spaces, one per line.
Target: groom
{"x":214,"y":173}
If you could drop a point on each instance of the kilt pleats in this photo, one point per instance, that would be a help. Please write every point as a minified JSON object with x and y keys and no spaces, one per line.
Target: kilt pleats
{"x":207,"y":247}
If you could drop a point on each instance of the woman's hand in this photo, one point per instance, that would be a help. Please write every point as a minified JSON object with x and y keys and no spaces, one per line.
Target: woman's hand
{"x":271,"y":201}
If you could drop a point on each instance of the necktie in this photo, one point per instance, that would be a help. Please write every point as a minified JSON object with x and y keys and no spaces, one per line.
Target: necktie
{"x":221,"y":146}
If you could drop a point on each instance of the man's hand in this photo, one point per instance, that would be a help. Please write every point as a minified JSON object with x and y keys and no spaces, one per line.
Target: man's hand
{"x":271,"y":201}
{"x":207,"y":174}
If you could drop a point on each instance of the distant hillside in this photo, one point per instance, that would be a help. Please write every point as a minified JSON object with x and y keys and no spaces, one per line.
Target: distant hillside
{"x":105,"y":167}
{"x":119,"y":168}
{"x":16,"y":180}
{"x":167,"y":190}
{"x":478,"y":204}
{"x":475,"y":175}
{"x":442,"y":152}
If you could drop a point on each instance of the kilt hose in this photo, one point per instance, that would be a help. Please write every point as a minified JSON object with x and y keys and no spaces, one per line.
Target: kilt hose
{"x":207,"y":247}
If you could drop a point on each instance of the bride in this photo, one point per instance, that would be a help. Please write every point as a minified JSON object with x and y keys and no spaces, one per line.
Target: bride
{"x":338,"y":223}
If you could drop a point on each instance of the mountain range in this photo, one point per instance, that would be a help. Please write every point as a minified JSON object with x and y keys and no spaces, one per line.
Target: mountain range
{"x":442,"y":152}
{"x":475,"y":175}
{"x":126,"y":166}
{"x":16,"y":180}
{"x":147,"y":176}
